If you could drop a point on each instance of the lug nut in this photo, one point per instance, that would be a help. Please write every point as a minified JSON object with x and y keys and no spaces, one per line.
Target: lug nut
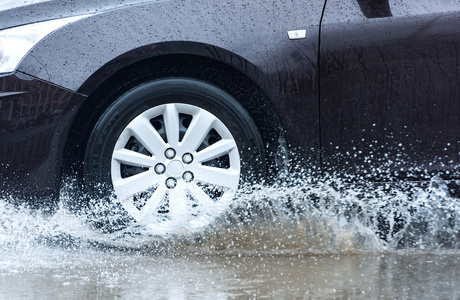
{"x":171,"y":183}
{"x":160,"y":169}
{"x":187,"y":158}
{"x":188,"y":176}
{"x":170,"y":153}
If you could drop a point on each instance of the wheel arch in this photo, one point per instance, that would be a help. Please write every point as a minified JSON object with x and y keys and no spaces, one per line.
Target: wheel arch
{"x":214,"y":65}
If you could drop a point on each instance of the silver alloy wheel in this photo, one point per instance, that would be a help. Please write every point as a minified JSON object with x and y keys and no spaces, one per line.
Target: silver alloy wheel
{"x":175,"y":166}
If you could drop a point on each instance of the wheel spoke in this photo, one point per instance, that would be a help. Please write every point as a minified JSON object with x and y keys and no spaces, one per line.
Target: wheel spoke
{"x":178,"y":208}
{"x":216,"y":150}
{"x":152,"y":204}
{"x":147,"y":135}
{"x":125,"y":187}
{"x":217,"y":176}
{"x":200,"y":196}
{"x":132,"y":158}
{"x":171,"y":119}
{"x":199,"y":127}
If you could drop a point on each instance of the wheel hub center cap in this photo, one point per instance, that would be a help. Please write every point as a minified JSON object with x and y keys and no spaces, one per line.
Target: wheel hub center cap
{"x":175,"y":168}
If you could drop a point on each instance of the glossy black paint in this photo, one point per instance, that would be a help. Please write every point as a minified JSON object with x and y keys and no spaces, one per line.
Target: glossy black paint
{"x":383,"y":100}
{"x":249,"y":36}
{"x":34,"y":120}
{"x":375,"y":8}
{"x":16,"y":13}
{"x":390,"y":95}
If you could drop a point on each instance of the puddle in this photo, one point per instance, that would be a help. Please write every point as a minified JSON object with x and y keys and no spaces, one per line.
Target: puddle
{"x":311,"y":240}
{"x":300,"y":217}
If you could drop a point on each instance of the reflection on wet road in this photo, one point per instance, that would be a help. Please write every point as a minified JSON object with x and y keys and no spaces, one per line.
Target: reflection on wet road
{"x":89,"y":275}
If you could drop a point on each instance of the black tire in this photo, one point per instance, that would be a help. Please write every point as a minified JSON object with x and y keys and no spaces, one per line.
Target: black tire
{"x":102,"y":167}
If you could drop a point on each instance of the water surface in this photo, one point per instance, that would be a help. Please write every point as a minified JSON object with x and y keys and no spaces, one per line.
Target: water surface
{"x":303,"y":240}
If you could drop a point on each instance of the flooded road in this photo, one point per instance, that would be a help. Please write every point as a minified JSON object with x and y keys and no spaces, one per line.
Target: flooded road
{"x":303,"y":241}
{"x":100,"y":275}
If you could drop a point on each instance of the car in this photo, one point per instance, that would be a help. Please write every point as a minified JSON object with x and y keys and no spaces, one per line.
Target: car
{"x":168,"y":107}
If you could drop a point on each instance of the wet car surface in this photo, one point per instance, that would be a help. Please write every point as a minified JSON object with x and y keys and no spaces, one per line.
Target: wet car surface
{"x":229,"y":149}
{"x":169,"y":115}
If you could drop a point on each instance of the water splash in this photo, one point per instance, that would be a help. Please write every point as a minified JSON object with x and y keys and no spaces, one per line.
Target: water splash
{"x":301,"y":216}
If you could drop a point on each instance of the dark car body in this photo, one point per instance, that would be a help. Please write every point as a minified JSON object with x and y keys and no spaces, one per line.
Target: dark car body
{"x":372,"y":90}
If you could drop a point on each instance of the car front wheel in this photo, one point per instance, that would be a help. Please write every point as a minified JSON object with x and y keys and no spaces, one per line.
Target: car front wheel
{"x":173,"y":153}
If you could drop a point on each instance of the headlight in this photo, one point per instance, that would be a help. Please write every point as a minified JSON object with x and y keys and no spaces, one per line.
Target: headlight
{"x":16,"y":42}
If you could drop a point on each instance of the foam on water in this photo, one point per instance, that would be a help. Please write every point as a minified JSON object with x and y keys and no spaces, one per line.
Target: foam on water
{"x":297,"y":217}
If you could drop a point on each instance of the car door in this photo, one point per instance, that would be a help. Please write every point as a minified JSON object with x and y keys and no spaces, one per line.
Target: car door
{"x":390,"y":88}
